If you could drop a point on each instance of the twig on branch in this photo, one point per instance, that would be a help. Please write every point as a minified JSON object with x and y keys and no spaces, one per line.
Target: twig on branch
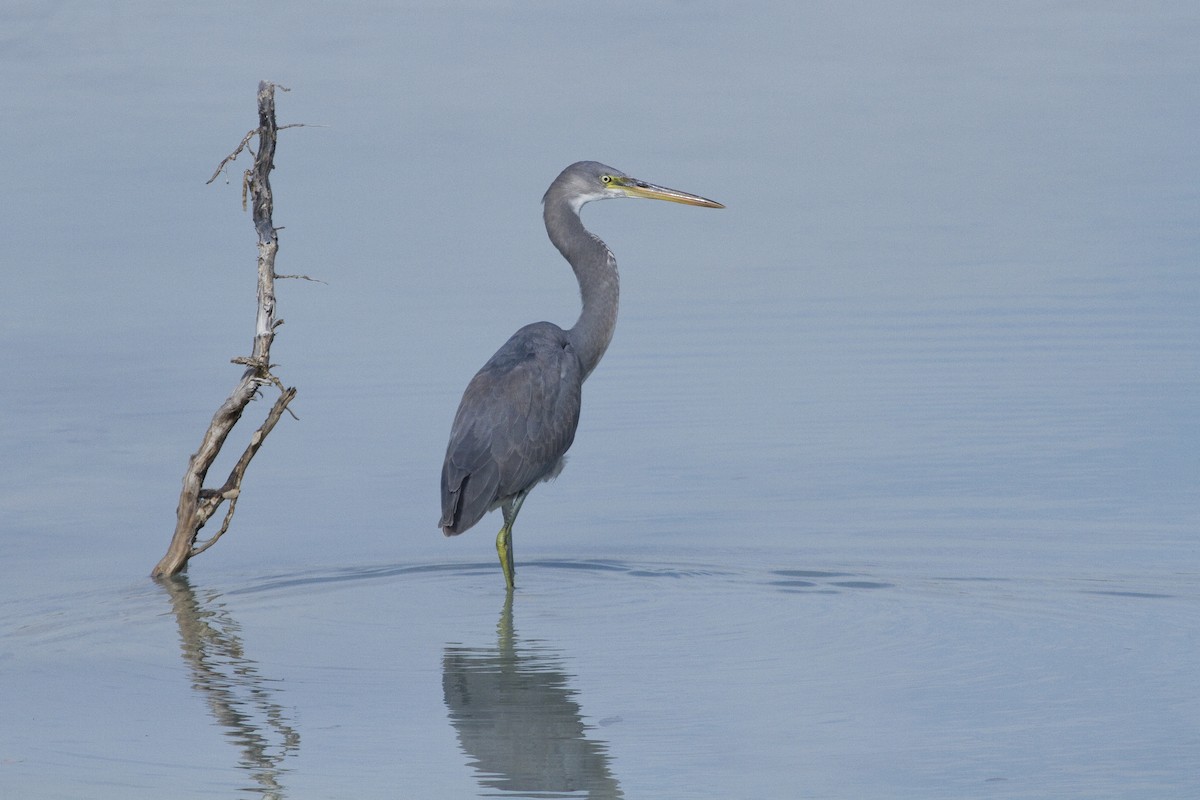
{"x":255,"y":132}
{"x":197,"y":504}
{"x":232,"y":489}
{"x":233,"y":156}
{"x":300,"y":278}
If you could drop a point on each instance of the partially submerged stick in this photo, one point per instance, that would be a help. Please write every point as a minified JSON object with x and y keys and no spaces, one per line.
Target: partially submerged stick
{"x":197,"y":504}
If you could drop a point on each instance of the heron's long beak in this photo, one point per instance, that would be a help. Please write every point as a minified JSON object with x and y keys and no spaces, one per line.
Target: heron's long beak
{"x":635,"y":188}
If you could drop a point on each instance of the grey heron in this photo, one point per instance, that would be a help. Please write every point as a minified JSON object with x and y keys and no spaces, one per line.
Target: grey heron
{"x":518,"y":415}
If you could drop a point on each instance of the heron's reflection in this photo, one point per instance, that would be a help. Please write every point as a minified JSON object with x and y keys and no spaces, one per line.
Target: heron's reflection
{"x":517,"y":719}
{"x":241,"y":700}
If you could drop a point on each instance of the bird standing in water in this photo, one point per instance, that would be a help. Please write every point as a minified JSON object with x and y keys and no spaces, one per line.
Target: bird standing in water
{"x":518,"y":416}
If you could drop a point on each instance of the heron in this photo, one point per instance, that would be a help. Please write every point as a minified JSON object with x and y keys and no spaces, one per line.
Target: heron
{"x":518,"y":415}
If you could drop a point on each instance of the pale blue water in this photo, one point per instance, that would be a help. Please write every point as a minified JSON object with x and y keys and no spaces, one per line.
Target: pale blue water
{"x":888,"y":485}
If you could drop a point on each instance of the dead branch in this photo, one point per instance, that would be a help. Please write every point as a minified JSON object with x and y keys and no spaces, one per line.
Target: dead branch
{"x":197,"y":504}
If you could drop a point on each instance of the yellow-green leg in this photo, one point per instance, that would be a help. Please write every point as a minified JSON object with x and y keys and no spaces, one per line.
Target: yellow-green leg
{"x":504,"y":548}
{"x":504,"y":539}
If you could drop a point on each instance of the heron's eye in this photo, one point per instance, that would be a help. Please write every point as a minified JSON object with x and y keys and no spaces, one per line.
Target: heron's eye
{"x":606,"y":178}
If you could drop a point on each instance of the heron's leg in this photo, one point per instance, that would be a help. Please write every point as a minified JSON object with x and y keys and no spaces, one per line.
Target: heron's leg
{"x":504,"y":549}
{"x":504,"y":538}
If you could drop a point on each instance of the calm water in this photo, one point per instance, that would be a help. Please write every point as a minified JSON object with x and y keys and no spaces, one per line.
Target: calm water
{"x":887,"y":487}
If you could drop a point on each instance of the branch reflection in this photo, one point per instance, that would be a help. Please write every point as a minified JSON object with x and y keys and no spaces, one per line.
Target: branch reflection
{"x":516,"y":718}
{"x":241,"y":700}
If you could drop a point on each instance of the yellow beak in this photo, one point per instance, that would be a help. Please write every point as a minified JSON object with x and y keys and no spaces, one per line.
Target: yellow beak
{"x":635,"y":188}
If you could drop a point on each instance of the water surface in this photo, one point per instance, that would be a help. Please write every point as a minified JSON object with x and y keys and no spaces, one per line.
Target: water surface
{"x":886,"y":487}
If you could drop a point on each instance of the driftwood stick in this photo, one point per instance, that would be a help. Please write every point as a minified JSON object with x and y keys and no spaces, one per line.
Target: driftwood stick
{"x":197,"y":504}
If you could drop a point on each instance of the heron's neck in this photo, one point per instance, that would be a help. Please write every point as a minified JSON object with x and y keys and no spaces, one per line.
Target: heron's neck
{"x":599,"y":284}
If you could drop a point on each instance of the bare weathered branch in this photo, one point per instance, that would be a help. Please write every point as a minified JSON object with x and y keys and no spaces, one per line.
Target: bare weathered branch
{"x":197,"y":504}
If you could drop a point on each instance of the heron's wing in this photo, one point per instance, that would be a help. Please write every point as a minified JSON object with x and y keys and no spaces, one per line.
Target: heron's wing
{"x":516,"y":420}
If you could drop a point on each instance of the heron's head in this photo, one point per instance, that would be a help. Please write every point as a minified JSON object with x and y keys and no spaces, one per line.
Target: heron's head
{"x":585,"y":181}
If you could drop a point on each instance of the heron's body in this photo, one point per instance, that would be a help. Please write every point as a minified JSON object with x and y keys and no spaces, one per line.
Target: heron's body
{"x":515,"y":423}
{"x":518,"y":416}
